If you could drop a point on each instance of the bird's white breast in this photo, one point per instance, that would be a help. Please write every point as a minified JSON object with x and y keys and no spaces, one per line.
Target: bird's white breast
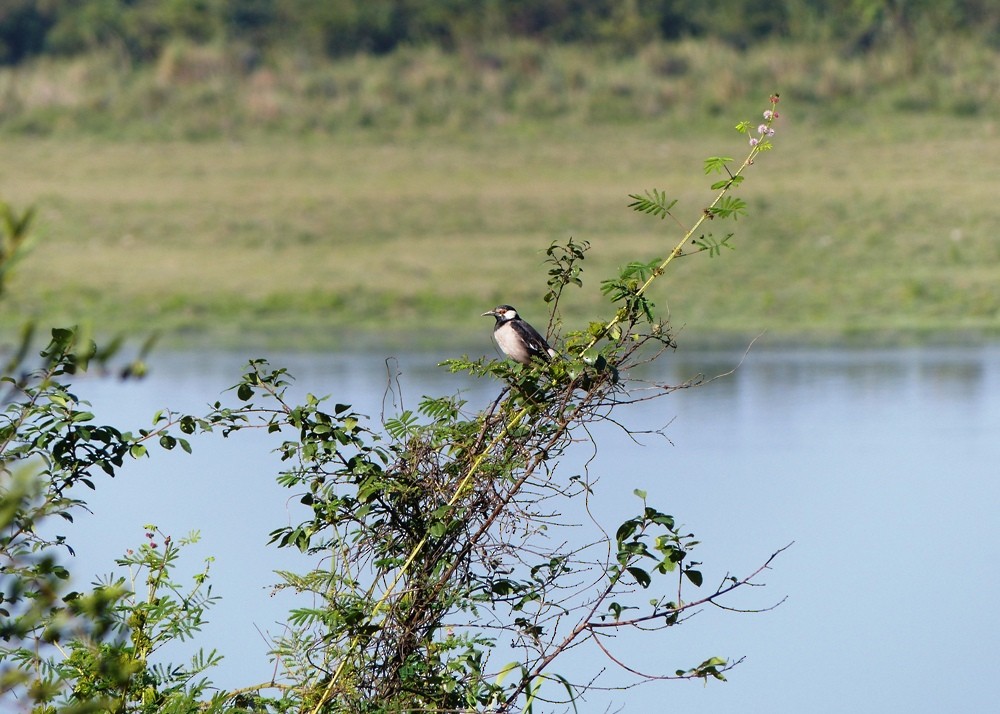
{"x":511,"y":345}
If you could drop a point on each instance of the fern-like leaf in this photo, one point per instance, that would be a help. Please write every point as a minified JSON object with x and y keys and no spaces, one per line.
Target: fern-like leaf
{"x":654,"y":203}
{"x":729,"y":207}
{"x":727,"y":183}
{"x":403,"y":426}
{"x":712,"y":244}
{"x":717,"y":164}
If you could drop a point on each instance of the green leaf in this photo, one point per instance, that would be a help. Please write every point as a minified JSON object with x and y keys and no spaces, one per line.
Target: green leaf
{"x":662,"y":519}
{"x":62,"y":339}
{"x":438,"y":528}
{"x":728,"y":207}
{"x":503,"y":587}
{"x":717,"y":164}
{"x":301,"y":539}
{"x":590,"y":355}
{"x":666,"y":565}
{"x":712,"y":245}
{"x":694,"y":576}
{"x":727,"y":183}
{"x":626,"y":529}
{"x":187,"y":424}
{"x":569,"y":689}
{"x":654,"y":203}
{"x":244,"y":392}
{"x":507,"y":669}
{"x":640,"y":575}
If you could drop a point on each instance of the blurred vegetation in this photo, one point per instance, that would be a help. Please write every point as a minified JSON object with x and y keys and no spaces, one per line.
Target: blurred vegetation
{"x":199,"y":69}
{"x":343,"y":167}
{"x":197,"y":92}
{"x":141,"y":30}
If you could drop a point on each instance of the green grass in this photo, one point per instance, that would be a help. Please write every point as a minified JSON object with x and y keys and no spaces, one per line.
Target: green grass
{"x":878,"y":229}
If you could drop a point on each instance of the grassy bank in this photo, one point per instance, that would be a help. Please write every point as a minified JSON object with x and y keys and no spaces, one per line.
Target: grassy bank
{"x":872,"y":229}
{"x":211,"y":92}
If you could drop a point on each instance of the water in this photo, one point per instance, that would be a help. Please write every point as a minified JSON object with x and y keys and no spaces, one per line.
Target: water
{"x":881,"y":466}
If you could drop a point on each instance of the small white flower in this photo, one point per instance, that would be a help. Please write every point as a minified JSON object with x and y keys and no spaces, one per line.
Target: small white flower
{"x":768,"y":115}
{"x":762,"y":129}
{"x":754,"y":141}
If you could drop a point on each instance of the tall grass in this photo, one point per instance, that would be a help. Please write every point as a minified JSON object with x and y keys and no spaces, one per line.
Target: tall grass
{"x":198,"y":92}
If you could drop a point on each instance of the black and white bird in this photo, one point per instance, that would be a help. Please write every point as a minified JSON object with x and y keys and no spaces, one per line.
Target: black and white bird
{"x":516,"y":338}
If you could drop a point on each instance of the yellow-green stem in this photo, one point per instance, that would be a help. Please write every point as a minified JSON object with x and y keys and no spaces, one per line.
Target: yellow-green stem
{"x":678,"y":249}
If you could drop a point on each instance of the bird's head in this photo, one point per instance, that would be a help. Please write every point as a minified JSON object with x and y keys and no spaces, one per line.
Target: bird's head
{"x":503,"y":313}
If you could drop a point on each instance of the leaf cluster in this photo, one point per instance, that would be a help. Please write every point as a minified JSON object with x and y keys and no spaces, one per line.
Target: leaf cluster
{"x":50,"y":447}
{"x":653,"y":202}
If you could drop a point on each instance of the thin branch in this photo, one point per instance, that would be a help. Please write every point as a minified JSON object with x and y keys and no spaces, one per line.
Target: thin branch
{"x":652,"y":677}
{"x":710,"y":599}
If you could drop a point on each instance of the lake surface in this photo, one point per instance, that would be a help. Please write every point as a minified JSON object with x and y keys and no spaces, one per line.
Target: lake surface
{"x":882,"y":467}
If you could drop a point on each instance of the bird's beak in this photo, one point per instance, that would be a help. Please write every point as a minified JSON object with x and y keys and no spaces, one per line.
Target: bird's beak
{"x":492,"y":313}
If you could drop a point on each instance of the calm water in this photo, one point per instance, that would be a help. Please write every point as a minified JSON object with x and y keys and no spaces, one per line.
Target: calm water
{"x":882,"y":466}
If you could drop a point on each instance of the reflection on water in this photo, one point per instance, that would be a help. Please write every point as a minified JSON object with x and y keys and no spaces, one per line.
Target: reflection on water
{"x":957,"y":372}
{"x":881,"y":465}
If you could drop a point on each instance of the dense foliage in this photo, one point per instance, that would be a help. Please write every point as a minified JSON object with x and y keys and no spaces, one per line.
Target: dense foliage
{"x":439,"y":583}
{"x":141,"y":29}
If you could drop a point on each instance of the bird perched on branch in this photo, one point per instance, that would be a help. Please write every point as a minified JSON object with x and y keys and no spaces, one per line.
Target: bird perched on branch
{"x":516,"y":338}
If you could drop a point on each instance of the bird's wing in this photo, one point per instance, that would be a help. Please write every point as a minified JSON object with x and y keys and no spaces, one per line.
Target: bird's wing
{"x":534,"y":341}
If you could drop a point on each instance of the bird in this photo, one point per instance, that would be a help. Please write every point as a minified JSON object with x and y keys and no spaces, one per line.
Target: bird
{"x":516,"y":338}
